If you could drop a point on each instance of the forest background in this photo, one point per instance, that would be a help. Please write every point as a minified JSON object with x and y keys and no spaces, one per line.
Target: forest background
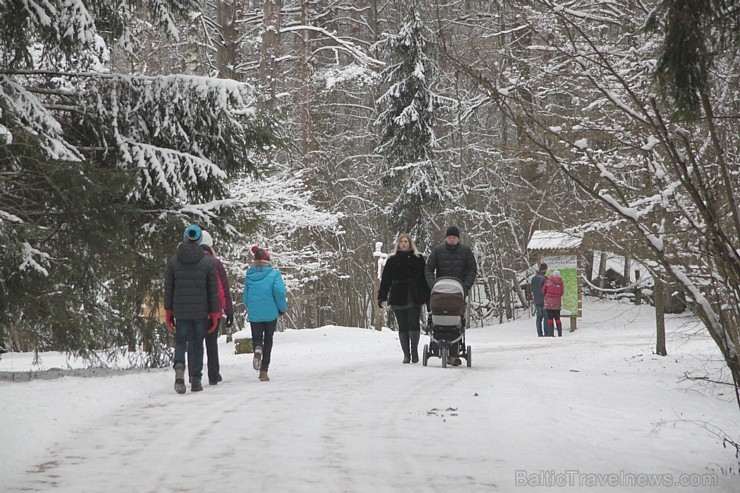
{"x":316,"y":128}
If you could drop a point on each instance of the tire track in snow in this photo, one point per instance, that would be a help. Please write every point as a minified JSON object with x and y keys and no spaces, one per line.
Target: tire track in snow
{"x":349,"y":427}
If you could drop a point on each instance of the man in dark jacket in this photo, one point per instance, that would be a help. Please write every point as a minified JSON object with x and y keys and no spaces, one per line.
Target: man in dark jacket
{"x":227,"y":307}
{"x":538,"y":280}
{"x":191,"y":304}
{"x":452,"y":259}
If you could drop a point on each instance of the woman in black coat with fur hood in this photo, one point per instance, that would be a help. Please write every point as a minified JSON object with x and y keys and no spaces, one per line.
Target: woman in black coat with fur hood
{"x":404,"y":287}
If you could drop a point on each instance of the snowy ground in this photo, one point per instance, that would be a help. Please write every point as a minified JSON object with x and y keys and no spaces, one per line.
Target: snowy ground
{"x":592,"y":411}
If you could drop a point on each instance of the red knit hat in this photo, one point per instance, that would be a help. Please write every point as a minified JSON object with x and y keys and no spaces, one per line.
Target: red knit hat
{"x":260,"y":254}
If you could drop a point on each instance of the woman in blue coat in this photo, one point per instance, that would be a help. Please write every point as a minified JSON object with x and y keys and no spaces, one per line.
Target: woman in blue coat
{"x":265,"y":300}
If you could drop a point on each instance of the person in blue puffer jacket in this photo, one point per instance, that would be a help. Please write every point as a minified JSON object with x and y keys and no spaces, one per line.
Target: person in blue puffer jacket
{"x":265,"y":300}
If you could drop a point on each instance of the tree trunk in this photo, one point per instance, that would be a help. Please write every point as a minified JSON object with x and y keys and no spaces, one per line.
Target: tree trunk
{"x":305,"y":118}
{"x":226,"y":52}
{"x":272,"y":11}
{"x":588,"y":266}
{"x":627,"y":270}
{"x":659,"y":296}
{"x":602,"y":271}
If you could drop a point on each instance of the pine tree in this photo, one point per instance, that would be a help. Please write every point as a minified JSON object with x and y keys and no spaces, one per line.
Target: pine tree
{"x":407,"y":128}
{"x":695,"y":33}
{"x":99,"y":172}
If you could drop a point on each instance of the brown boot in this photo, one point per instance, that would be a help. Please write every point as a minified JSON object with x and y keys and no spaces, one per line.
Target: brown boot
{"x":263,"y":376}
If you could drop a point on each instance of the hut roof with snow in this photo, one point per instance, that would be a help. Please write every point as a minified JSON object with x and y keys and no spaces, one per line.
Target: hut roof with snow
{"x":554,"y":241}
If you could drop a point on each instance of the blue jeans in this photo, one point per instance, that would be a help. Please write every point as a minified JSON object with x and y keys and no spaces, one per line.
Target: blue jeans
{"x":211,"y":354}
{"x":540,"y":311}
{"x":195,"y":331}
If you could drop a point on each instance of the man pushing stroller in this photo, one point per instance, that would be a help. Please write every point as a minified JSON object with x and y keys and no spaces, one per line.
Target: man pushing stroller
{"x":452,"y":259}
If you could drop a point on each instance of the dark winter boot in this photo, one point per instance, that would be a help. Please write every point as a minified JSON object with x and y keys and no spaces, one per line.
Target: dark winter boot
{"x":196,"y":386}
{"x":560,"y":328}
{"x":179,"y":378}
{"x":404,"y":338}
{"x":263,"y":376}
{"x":414,"y":335}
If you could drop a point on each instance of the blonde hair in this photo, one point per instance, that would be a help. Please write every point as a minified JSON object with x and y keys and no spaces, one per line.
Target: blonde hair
{"x":411,"y":242}
{"x":210,"y":249}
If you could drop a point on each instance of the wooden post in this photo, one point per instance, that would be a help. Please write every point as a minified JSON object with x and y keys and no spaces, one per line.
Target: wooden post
{"x":626,"y":272}
{"x":638,"y":291}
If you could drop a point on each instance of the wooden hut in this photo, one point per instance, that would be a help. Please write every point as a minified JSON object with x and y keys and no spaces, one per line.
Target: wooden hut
{"x":561,"y":251}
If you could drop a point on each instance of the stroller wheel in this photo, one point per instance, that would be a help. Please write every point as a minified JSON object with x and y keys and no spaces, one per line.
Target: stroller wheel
{"x":425,"y":356}
{"x":443,"y":353}
{"x":469,"y":357}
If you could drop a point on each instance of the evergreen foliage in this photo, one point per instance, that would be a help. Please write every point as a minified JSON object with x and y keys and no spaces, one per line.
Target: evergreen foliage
{"x":538,"y":115}
{"x":99,"y":173}
{"x":407,"y":124}
{"x":695,"y":33}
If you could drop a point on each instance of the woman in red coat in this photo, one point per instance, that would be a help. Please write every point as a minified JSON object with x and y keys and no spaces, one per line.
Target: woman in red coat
{"x":553,"y":290}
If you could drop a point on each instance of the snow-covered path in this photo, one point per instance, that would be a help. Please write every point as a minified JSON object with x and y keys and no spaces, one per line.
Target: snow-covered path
{"x":343,"y":414}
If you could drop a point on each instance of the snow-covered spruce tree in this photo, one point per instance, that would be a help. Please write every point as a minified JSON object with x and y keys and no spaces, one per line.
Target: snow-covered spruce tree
{"x":595,"y":110}
{"x":101,"y":171}
{"x":406,"y":122}
{"x":267,"y":45}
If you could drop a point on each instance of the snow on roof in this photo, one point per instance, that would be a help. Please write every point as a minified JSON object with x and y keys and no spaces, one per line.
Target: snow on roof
{"x":554,"y":240}
{"x":616,"y":263}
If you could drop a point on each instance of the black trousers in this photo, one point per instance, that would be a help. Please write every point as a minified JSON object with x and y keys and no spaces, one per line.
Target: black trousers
{"x":553,"y":321}
{"x":408,"y":329}
{"x":407,"y":317}
{"x":262,"y":335}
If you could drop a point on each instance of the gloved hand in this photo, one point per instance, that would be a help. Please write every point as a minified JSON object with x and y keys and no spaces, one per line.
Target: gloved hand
{"x":380,"y":303}
{"x":280,"y":314}
{"x":229,"y":320}
{"x":169,"y":319}
{"x":214,"y":318}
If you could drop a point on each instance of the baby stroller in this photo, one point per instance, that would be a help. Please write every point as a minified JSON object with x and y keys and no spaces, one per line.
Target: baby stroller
{"x":446,"y":325}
